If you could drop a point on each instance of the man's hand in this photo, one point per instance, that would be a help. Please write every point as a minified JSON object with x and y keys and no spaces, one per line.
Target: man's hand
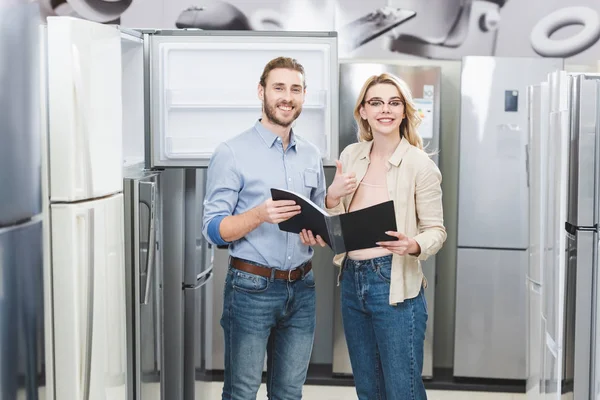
{"x":274,"y":212}
{"x":403,"y":246}
{"x":307,"y":238}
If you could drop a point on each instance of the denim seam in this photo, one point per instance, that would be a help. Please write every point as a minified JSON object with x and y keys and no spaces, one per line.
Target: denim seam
{"x":412,"y":351}
{"x":271,"y":369}
{"x":377,"y":372}
{"x":230,"y":340}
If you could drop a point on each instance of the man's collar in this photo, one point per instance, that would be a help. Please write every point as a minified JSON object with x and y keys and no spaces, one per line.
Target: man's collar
{"x":270,"y":137}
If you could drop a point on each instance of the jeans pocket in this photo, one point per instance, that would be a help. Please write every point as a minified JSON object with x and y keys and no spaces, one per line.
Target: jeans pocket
{"x":309,"y":279}
{"x":423,"y":300}
{"x":384,"y":272}
{"x":249,"y":283}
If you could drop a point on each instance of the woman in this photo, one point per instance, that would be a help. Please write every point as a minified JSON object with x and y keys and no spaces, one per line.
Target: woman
{"x":383,"y":303}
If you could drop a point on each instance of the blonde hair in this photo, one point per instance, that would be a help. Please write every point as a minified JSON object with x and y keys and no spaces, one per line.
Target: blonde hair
{"x":411,"y":121}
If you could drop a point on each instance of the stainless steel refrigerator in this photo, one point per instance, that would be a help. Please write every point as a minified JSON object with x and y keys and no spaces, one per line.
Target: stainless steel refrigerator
{"x":176,"y":93}
{"x":22,"y":333}
{"x":566,"y":323}
{"x":537,"y":167}
{"x":424,"y":82}
{"x":493,"y":227}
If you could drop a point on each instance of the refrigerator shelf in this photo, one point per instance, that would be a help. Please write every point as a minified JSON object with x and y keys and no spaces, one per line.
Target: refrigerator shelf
{"x":177,"y":99}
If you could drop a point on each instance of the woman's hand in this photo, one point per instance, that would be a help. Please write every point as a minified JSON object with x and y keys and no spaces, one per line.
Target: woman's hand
{"x":342,"y":185}
{"x":307,"y":238}
{"x":403,"y":246}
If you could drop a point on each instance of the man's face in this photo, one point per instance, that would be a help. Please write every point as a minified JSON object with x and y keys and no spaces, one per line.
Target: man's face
{"x":283,"y":96}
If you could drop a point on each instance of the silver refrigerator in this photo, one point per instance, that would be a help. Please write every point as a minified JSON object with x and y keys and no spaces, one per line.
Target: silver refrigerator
{"x":537,"y":167}
{"x":169,"y":267}
{"x":566,"y":365}
{"x":424,"y":83}
{"x":493,"y":226}
{"x":177,"y":87}
{"x":22,"y":349}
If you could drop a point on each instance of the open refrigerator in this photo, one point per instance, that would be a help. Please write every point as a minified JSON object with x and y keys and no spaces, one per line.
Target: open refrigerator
{"x":135,"y":117}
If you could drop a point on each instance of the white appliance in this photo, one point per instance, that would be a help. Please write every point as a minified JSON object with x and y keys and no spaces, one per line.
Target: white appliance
{"x":493,"y":228}
{"x":165,"y":99}
{"x":564,"y":329}
{"x":84,"y":207}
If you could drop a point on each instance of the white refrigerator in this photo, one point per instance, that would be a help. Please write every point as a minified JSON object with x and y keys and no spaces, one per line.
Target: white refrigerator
{"x":83,"y":204}
{"x":154,"y":104}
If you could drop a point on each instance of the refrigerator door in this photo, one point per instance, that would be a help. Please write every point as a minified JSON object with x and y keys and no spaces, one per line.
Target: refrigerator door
{"x":554,"y":274}
{"x":144,"y":282}
{"x":582,"y":220}
{"x":196,"y":379}
{"x":85,"y":109}
{"x":535,"y":340}
{"x":595,"y":353}
{"x":537,"y":176}
{"x":490,"y":314}
{"x":492,"y":209}
{"x":20,"y":158}
{"x":199,"y":84}
{"x":22,"y":369}
{"x":89,"y":299}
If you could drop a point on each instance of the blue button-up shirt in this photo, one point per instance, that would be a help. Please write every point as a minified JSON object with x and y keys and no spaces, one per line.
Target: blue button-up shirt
{"x":242,"y":172}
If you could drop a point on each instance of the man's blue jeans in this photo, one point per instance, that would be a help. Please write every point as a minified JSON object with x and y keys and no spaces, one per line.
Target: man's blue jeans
{"x":385,"y":342}
{"x":272,"y":316}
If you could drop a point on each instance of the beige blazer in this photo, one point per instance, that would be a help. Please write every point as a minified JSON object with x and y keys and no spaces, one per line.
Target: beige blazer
{"x":414,"y":184}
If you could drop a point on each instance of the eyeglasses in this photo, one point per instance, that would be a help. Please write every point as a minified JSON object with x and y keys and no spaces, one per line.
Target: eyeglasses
{"x":378,"y":104}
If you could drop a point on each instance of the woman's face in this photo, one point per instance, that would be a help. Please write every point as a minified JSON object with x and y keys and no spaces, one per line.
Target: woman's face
{"x":383,"y":109}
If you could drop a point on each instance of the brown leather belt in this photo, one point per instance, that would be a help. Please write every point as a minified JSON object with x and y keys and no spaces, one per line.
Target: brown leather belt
{"x":291,"y":275}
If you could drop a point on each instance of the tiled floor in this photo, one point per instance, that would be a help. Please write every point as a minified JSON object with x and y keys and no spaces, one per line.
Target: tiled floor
{"x":348,"y":393}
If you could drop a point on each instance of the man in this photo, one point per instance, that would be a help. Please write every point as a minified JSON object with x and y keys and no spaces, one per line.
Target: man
{"x":269,"y":298}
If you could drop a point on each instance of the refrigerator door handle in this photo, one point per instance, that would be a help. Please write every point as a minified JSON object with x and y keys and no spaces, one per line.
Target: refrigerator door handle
{"x":148,"y":197}
{"x":204,"y":276}
{"x":82,"y":142}
{"x":527,"y":163}
{"x":89,"y":307}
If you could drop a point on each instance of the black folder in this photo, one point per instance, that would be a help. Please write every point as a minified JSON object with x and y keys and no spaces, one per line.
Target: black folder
{"x":355,"y":230}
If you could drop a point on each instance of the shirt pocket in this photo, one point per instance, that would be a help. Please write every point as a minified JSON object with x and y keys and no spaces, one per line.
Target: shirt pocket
{"x":311,"y":178}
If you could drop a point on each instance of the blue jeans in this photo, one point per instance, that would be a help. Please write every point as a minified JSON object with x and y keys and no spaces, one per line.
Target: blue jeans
{"x":267,"y":316}
{"x":385,"y":342}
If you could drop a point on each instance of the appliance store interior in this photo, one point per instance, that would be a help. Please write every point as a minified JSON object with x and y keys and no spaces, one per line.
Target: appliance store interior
{"x":111,"y":111}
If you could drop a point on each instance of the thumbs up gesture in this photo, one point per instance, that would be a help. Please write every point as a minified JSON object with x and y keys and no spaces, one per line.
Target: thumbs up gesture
{"x":343,"y":184}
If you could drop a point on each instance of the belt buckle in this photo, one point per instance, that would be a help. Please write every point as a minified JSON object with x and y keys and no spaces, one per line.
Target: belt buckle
{"x":289,"y":279}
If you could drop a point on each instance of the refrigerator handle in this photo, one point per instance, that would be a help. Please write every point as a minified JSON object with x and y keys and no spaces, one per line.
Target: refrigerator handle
{"x":89,"y":331}
{"x":527,"y":163}
{"x":148,"y":197}
{"x":82,"y":142}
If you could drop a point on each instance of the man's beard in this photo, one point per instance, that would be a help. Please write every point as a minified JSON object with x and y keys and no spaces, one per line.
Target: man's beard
{"x":271,"y":112}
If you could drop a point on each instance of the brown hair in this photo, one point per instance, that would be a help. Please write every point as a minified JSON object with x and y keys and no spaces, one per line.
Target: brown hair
{"x":411,"y":121}
{"x":282,"y":62}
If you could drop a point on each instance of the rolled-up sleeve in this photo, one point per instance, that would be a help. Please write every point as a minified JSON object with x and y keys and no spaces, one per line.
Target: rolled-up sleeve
{"x":430,"y":214}
{"x":222,"y":190}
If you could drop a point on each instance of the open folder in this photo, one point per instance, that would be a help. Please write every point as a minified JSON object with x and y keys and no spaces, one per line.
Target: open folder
{"x":355,"y":230}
